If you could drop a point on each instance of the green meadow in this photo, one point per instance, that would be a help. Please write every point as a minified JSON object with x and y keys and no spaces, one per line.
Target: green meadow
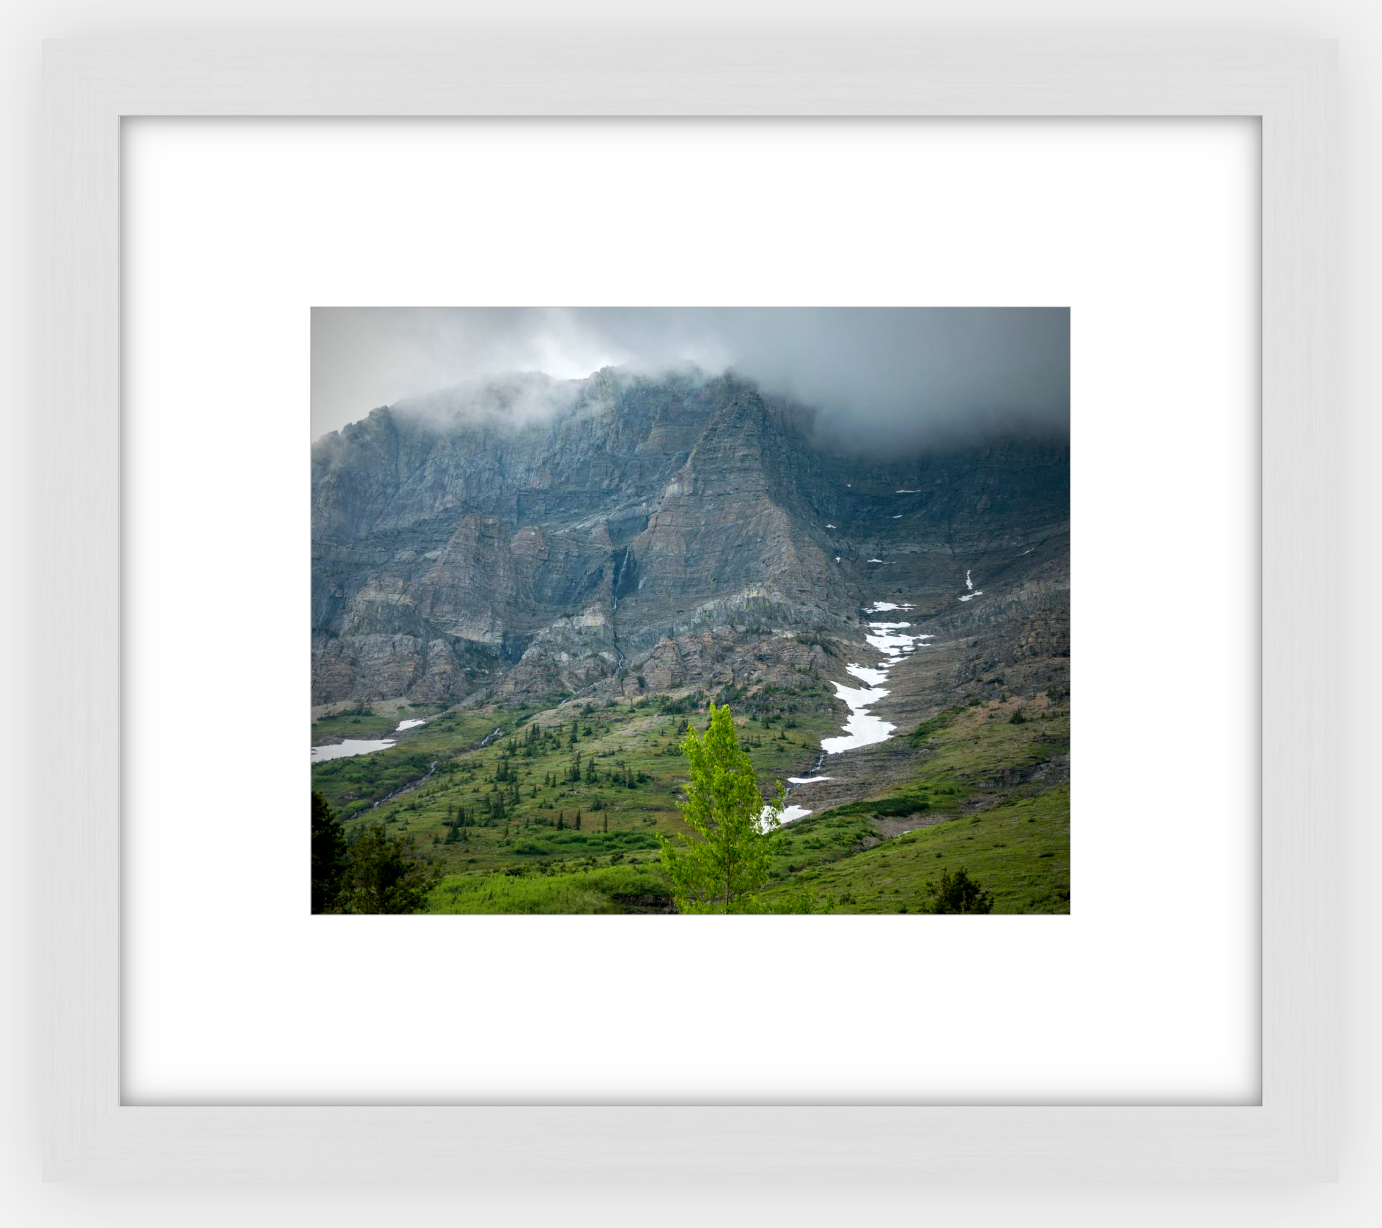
{"x":558,"y":809}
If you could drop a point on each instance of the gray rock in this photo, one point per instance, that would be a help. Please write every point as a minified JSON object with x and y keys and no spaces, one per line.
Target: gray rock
{"x":671,"y":530}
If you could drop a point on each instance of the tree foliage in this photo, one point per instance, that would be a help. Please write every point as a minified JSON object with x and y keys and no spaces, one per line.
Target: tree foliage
{"x":386,"y":874}
{"x":728,"y":855}
{"x":378,"y":873}
{"x":329,"y":856}
{"x":960,"y":893}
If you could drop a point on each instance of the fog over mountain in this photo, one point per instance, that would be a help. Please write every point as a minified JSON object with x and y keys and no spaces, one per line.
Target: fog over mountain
{"x":879,"y":380}
{"x":533,"y":538}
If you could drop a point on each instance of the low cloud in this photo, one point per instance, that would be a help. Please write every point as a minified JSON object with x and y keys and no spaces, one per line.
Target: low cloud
{"x":878,"y":379}
{"x":514,"y":399}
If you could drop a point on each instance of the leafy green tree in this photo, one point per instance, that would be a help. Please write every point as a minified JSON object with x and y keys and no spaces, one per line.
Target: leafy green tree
{"x":386,"y":874}
{"x":329,"y":856}
{"x":959,"y":893}
{"x":728,"y":856}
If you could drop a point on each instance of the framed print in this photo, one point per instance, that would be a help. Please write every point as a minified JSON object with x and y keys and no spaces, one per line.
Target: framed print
{"x":777,"y":485}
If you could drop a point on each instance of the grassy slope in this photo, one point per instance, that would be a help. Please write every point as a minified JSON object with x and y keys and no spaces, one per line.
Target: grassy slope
{"x":616,"y":821}
{"x":332,"y":729}
{"x":618,"y":888}
{"x":971,"y":779}
{"x":1020,"y":852}
{"x":352,"y":785}
{"x":980,"y":788}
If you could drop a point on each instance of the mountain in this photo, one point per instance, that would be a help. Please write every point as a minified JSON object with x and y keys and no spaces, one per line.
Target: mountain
{"x":642,"y":534}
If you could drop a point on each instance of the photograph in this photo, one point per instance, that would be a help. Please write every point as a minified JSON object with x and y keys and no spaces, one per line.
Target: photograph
{"x":687,"y":404}
{"x":685,"y":610}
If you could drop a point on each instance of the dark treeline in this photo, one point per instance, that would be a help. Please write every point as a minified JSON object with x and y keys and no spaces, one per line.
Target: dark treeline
{"x":373,"y":873}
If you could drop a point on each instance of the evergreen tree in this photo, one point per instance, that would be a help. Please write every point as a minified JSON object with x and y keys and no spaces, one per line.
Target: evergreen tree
{"x":960,"y":894}
{"x":386,"y":874}
{"x":329,"y":856}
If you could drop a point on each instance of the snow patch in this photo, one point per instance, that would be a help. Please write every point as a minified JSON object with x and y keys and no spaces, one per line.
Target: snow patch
{"x":874,"y":677}
{"x":862,"y":728}
{"x":351,"y":746}
{"x":786,"y":815}
{"x":886,"y":641}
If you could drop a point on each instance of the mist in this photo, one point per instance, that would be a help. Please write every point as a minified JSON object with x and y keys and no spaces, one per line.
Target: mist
{"x":878,"y":379}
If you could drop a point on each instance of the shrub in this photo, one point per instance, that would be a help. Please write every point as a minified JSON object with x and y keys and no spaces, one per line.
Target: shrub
{"x":959,"y":894}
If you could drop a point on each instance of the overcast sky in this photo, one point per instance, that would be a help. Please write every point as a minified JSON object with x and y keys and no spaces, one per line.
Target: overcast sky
{"x":879,"y":377}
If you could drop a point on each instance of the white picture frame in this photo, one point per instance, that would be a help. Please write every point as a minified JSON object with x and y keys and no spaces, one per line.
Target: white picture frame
{"x":1289,"y":85}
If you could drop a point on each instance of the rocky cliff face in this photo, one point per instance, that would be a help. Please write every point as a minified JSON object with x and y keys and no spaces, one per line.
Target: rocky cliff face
{"x":656,"y":533}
